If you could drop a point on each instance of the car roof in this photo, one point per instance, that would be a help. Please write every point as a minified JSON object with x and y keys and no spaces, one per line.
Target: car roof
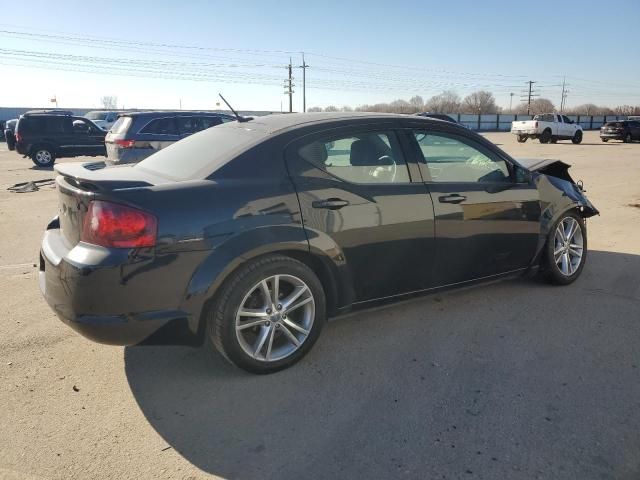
{"x":173,"y":113}
{"x":278,"y":122}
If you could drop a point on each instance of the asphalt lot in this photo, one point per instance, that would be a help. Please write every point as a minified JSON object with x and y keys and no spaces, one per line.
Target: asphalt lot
{"x":515,"y":380}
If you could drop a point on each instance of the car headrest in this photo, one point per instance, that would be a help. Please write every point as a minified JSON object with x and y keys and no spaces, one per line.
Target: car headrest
{"x":363,"y":153}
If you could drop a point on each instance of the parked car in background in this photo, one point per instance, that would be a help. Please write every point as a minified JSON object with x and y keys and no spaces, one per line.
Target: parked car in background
{"x":625,"y":130}
{"x":9,"y":133}
{"x":136,"y":135}
{"x":548,"y":127}
{"x":437,"y":116}
{"x":249,"y":235}
{"x":47,"y":135}
{"x":103,"y":118}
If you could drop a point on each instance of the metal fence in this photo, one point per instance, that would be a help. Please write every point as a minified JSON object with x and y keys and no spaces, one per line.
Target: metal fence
{"x":502,"y":122}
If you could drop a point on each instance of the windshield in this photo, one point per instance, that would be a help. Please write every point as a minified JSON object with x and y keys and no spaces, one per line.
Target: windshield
{"x":96,"y":115}
{"x":202,"y":153}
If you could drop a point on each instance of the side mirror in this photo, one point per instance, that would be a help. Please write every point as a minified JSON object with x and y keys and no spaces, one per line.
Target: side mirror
{"x":523,"y":175}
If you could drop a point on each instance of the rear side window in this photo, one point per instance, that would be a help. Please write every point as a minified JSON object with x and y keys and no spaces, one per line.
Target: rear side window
{"x":161,"y":126}
{"x":121,"y":125}
{"x":45,"y":124}
{"x":208,"y":122}
{"x":189,"y":125}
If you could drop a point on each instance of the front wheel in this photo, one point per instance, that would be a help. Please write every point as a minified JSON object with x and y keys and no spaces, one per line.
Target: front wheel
{"x":577,"y":137}
{"x":522,"y":138}
{"x":268,"y":314}
{"x":627,"y":138}
{"x":605,"y":140}
{"x":566,"y":250}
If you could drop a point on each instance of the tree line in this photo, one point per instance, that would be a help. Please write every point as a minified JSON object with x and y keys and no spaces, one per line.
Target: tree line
{"x":479,"y":102}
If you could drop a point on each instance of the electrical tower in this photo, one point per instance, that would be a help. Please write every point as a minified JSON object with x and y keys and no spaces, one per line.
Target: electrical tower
{"x":288,"y":85}
{"x":527,"y":96}
{"x":563,"y":101}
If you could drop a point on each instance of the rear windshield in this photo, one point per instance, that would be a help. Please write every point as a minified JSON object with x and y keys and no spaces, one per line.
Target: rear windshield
{"x":121,"y":125}
{"x":614,"y":124}
{"x":203,"y":153}
{"x":545,"y":118}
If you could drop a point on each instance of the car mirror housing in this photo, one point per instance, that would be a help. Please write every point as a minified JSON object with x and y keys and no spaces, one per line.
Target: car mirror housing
{"x":523,"y":175}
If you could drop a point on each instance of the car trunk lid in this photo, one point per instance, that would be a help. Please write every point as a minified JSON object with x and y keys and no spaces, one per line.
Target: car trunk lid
{"x":78,"y":185}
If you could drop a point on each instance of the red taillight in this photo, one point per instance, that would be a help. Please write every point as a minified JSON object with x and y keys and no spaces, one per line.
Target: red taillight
{"x":17,"y":137}
{"x":113,"y":225}
{"x":536,"y":125}
{"x":125,"y":143}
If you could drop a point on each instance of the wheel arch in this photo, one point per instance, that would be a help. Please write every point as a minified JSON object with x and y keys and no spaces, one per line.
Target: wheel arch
{"x":217,"y":267}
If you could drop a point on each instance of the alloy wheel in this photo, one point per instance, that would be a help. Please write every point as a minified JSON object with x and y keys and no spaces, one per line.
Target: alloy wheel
{"x":568,"y":246}
{"x":275,"y":318}
{"x":43,"y":157}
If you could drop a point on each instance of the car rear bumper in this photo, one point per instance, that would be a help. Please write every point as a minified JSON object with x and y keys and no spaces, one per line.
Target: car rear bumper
{"x":524,"y":132}
{"x":612,"y":136}
{"x":86,"y":289}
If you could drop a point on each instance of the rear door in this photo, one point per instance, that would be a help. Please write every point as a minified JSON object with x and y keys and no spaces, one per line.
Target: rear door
{"x":157,"y":134}
{"x":486,"y":223}
{"x":635,"y":129}
{"x":359,"y":202}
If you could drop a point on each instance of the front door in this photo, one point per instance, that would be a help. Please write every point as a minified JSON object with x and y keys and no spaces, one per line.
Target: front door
{"x":359,"y":202}
{"x":486,"y":223}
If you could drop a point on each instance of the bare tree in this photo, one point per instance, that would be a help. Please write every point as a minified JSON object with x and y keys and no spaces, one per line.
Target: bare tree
{"x":446,"y":102}
{"x":539,"y":105}
{"x":109,"y":102}
{"x":591,"y":109}
{"x":314,"y":109}
{"x":479,"y":102}
{"x":331,"y":108}
{"x":400,"y":106}
{"x":347,"y":108}
{"x":417,"y":102}
{"x":627,"y":110}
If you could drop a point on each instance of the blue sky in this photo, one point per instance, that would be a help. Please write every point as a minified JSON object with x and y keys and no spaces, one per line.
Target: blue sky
{"x":359,"y":52}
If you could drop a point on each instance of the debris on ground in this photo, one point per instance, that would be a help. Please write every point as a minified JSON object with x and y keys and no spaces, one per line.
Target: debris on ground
{"x":76,"y":389}
{"x":31,"y":186}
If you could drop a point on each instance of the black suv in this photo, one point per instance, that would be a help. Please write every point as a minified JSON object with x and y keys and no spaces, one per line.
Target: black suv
{"x":46,"y":135}
{"x":625,"y":130}
{"x":137,"y":135}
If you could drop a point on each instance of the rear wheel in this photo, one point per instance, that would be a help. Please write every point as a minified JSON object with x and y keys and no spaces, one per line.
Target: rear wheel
{"x":577,"y":137}
{"x":522,"y":138}
{"x":554,"y":139}
{"x":627,"y":138}
{"x":566,"y":250}
{"x":545,"y":137}
{"x":605,"y":140}
{"x":43,"y":156}
{"x":268,"y":315}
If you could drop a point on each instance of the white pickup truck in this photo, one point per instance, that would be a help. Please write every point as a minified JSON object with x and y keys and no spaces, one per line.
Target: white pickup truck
{"x":548,"y":127}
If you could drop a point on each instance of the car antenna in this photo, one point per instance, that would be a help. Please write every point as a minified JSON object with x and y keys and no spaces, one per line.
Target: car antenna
{"x":238,"y":117}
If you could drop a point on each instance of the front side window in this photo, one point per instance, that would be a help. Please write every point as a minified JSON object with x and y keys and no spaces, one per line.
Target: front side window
{"x":453,"y":159}
{"x":566,"y":119}
{"x":370,"y":157}
{"x":161,"y":126}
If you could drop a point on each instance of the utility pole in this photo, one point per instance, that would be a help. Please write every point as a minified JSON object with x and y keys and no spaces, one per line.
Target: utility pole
{"x":304,"y":67}
{"x":288,"y":85}
{"x":526,"y":97}
{"x":511,"y":102}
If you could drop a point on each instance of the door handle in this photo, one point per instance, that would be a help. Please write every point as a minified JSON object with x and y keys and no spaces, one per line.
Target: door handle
{"x":330,"y":203}
{"x":453,"y":198}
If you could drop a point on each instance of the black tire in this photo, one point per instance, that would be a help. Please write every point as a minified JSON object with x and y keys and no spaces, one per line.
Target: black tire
{"x":577,"y":137}
{"x":554,"y":139}
{"x":605,"y":140}
{"x":549,"y":268}
{"x":11,"y":142}
{"x":522,"y":138}
{"x":43,"y":156}
{"x":221,"y":317}
{"x":628,"y":138}
{"x":545,"y":137}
